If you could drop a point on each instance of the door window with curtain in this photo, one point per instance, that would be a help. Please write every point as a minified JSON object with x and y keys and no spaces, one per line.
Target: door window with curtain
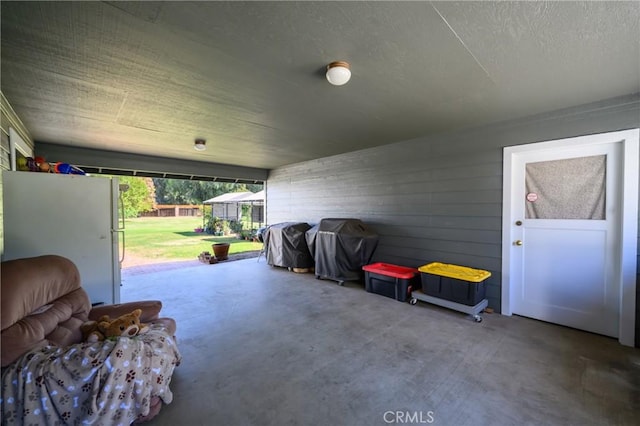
{"x":566,"y":189}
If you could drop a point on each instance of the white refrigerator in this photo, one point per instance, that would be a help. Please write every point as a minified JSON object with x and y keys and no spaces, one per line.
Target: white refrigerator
{"x":69,"y":215}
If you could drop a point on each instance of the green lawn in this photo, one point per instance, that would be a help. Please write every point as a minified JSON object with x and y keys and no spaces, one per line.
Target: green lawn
{"x":173,"y":239}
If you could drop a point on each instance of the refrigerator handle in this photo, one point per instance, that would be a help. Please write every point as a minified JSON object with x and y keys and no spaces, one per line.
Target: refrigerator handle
{"x":122,"y":188}
{"x":121,"y":231}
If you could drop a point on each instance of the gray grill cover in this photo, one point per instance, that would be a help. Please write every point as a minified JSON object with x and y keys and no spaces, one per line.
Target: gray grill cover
{"x":285,"y":245}
{"x":341,"y":247}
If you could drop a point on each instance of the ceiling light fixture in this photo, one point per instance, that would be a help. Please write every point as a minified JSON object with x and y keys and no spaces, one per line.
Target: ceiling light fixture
{"x":338,"y":73}
{"x":199,"y":145}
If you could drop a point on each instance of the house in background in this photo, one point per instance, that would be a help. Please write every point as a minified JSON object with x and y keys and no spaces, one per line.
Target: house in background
{"x":173,"y":210}
{"x":414,"y":144}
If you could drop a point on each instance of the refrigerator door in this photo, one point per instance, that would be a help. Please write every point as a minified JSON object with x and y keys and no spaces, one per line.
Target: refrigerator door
{"x":68,"y":215}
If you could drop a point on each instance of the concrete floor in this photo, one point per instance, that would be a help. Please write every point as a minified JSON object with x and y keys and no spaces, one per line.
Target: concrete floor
{"x":265,"y":346}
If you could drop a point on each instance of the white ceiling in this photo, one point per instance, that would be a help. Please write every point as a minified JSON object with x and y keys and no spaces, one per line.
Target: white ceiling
{"x":150,"y":77}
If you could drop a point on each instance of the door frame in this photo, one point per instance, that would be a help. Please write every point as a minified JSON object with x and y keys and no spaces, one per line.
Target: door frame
{"x":626,"y":268}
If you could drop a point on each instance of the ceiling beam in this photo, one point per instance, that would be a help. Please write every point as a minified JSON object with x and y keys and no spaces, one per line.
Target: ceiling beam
{"x":146,"y":165}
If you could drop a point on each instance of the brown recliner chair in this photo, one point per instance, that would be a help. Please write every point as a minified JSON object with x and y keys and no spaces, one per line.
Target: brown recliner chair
{"x":49,"y":374}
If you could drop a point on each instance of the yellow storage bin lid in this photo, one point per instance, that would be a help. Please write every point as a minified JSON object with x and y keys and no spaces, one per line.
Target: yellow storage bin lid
{"x":463,"y":273}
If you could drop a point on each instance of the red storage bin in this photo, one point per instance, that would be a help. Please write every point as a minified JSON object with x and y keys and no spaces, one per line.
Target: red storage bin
{"x":396,"y":282}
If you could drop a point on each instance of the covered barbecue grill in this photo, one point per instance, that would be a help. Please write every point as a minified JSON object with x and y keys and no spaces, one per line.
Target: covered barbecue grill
{"x":340,"y":248}
{"x":285,"y":245}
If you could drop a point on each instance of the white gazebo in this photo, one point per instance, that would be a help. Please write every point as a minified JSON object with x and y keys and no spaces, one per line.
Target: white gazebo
{"x":229,"y":206}
{"x":256,"y":201}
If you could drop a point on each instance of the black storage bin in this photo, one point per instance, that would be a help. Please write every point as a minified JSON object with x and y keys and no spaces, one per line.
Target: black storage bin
{"x":396,"y":282}
{"x":455,"y":283}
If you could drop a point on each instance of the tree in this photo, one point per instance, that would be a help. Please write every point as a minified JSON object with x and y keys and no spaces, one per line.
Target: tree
{"x":139,"y":197}
{"x":181,"y":191}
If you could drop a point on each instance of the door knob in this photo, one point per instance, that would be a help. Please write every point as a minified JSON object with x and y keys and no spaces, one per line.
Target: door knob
{"x":517,"y":243}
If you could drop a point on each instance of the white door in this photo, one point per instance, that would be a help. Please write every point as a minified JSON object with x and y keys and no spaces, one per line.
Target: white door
{"x":563,"y":235}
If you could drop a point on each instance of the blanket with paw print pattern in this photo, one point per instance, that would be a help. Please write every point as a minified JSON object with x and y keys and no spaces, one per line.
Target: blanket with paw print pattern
{"x":101,"y":383}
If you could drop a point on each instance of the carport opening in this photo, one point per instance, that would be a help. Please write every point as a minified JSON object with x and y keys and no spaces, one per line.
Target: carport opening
{"x":173,"y":220}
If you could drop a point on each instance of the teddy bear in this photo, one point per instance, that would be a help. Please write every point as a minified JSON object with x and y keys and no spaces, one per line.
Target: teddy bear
{"x":127,"y":325}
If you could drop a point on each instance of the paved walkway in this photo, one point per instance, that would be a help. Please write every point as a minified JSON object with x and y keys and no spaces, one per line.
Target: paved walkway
{"x":167,"y":266}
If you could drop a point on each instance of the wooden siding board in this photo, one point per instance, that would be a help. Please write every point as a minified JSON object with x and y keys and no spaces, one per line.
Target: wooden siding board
{"x":437,"y":235}
{"x":420,"y":205}
{"x":4,"y":122}
{"x":458,"y":247}
{"x":464,"y":235}
{"x":8,"y":118}
{"x":417,"y":257}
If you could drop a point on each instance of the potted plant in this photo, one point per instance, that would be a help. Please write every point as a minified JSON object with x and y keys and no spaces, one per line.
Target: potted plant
{"x":221,"y":250}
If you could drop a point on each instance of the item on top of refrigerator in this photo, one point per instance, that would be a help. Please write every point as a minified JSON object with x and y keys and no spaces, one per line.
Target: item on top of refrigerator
{"x":42,"y":165}
{"x":22,"y":164}
{"x":67,"y":169}
{"x":31,"y":164}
